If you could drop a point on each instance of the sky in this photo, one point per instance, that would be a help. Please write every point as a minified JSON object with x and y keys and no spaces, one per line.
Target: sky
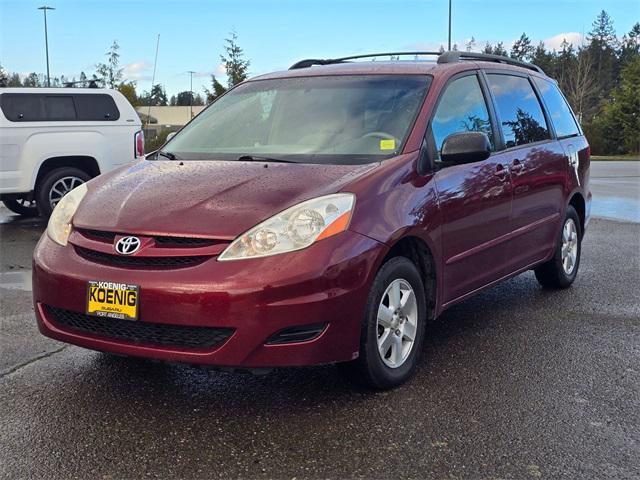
{"x":273,"y":33}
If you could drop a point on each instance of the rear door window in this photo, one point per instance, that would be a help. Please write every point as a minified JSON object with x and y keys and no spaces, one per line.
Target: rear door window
{"x":520,"y":113}
{"x":561,"y":116}
{"x":97,"y":107}
{"x":461,"y":108}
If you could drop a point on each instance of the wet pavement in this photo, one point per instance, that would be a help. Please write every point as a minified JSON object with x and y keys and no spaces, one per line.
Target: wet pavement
{"x":517,"y":382}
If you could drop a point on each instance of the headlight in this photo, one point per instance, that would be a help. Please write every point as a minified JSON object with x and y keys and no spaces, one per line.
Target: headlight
{"x":295,"y":228}
{"x":59,"y":226}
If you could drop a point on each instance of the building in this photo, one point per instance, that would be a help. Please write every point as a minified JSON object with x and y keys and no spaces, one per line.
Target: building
{"x":170,"y":118}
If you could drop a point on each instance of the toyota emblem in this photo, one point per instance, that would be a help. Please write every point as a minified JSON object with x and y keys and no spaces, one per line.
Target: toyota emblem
{"x":127,"y":245}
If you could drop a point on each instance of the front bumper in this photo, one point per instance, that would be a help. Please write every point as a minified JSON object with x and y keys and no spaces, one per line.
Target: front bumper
{"x":327,"y":283}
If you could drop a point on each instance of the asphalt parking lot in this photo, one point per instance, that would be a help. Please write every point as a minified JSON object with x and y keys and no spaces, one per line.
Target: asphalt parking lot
{"x":517,"y":382}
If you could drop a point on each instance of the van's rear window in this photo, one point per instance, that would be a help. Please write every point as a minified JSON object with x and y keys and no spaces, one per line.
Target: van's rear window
{"x":58,"y":107}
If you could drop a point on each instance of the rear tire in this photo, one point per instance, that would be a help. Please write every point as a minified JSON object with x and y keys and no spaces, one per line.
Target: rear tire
{"x":22,"y":206}
{"x":562,"y":269}
{"x":393,"y":328}
{"x":56,"y":184}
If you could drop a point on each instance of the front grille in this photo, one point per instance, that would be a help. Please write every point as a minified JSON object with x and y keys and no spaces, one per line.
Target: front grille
{"x":142,"y":333}
{"x":183,"y":242}
{"x":161,"y":241}
{"x":140,"y":262}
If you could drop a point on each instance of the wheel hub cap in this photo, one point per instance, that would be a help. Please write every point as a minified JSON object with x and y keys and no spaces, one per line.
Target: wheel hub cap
{"x":61,"y":188}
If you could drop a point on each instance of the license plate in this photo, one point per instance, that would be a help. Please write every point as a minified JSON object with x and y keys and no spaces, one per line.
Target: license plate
{"x":113,"y":300}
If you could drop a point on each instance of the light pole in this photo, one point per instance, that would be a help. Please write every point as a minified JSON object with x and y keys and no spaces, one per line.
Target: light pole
{"x":191,"y":72}
{"x":44,"y":8}
{"x":449,"y":26}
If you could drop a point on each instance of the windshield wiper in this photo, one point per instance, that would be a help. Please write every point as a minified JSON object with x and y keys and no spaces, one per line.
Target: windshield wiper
{"x":168,"y":155}
{"x":254,"y":158}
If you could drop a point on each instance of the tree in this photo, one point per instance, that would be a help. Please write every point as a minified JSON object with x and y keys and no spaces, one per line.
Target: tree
{"x":488,"y":49}
{"x":522,"y":48}
{"x":184,"y":98}
{"x":32,"y":80}
{"x":500,"y":50}
{"x":621,"y":115}
{"x":198,"y":101}
{"x":111,"y":71}
{"x":234,"y":63}
{"x":603,"y":45}
{"x":217,"y":89}
{"x":630,"y":45}
{"x":4,"y":77}
{"x":158,"y":96}
{"x":128,"y":89}
{"x":580,"y":85}
{"x":470,"y":44}
{"x":83,"y":79}
{"x":543,"y":59}
{"x":172,"y":101}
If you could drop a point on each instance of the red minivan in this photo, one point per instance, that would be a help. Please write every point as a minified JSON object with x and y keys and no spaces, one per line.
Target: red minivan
{"x":322,"y":214}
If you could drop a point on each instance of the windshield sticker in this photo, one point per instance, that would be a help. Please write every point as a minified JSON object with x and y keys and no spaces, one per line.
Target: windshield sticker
{"x":388,"y":144}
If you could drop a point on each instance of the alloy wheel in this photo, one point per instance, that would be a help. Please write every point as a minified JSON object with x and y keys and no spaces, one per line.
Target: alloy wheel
{"x":569,"y":246}
{"x":397,"y":323}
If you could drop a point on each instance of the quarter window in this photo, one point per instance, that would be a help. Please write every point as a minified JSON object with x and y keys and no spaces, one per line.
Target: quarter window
{"x":462,"y":108}
{"x":519,"y":110}
{"x":559,"y":111}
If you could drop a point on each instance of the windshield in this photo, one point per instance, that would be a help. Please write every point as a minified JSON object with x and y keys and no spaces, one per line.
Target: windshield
{"x":334,"y":119}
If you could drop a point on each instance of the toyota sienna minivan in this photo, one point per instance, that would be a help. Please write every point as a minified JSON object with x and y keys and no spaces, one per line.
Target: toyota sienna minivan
{"x":323,"y":214}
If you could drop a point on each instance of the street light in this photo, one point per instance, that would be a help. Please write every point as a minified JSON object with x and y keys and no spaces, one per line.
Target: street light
{"x":449,"y":26}
{"x":46,"y":39}
{"x":191,"y":72}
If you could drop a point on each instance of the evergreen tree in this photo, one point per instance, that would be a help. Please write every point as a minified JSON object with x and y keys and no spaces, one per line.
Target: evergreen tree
{"x":83,"y":79}
{"x":158,"y":96}
{"x":522,"y":48}
{"x":4,"y":77}
{"x":217,"y":89}
{"x":500,"y":50}
{"x":234,"y":63}
{"x":488,"y":49}
{"x":111,"y":72}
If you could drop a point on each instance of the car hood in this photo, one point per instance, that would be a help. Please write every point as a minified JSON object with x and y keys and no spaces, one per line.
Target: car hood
{"x":203,"y":198}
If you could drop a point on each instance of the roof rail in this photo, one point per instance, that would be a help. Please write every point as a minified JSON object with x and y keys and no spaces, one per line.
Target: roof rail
{"x":328,"y":61}
{"x":445,"y":57}
{"x":454,"y":56}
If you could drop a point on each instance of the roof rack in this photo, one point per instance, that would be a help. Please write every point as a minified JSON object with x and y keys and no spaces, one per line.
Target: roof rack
{"x":454,"y":56}
{"x":328,"y":61}
{"x":445,"y":57}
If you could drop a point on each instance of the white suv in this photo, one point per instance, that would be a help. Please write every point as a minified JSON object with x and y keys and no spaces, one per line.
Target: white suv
{"x":53,"y":139}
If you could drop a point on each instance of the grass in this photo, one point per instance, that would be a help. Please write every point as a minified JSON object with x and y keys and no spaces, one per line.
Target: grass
{"x":617,"y":158}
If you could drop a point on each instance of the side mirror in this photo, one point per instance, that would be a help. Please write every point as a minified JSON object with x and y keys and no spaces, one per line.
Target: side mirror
{"x":171,"y":135}
{"x":465,"y":147}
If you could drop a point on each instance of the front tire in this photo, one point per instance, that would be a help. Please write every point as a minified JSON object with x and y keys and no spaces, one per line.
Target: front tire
{"x":22,"y":206}
{"x":393,"y":328}
{"x":562,"y":269}
{"x":56,"y":184}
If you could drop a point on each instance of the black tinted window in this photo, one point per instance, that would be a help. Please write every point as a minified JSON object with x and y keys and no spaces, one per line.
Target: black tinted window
{"x":519,"y":110}
{"x":60,"y":107}
{"x":37,"y":107}
{"x":557,"y":107}
{"x":96,"y":107}
{"x":461,"y":108}
{"x":20,"y":107}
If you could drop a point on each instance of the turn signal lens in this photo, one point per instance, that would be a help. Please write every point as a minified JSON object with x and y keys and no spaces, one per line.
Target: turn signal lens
{"x":295,"y":228}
